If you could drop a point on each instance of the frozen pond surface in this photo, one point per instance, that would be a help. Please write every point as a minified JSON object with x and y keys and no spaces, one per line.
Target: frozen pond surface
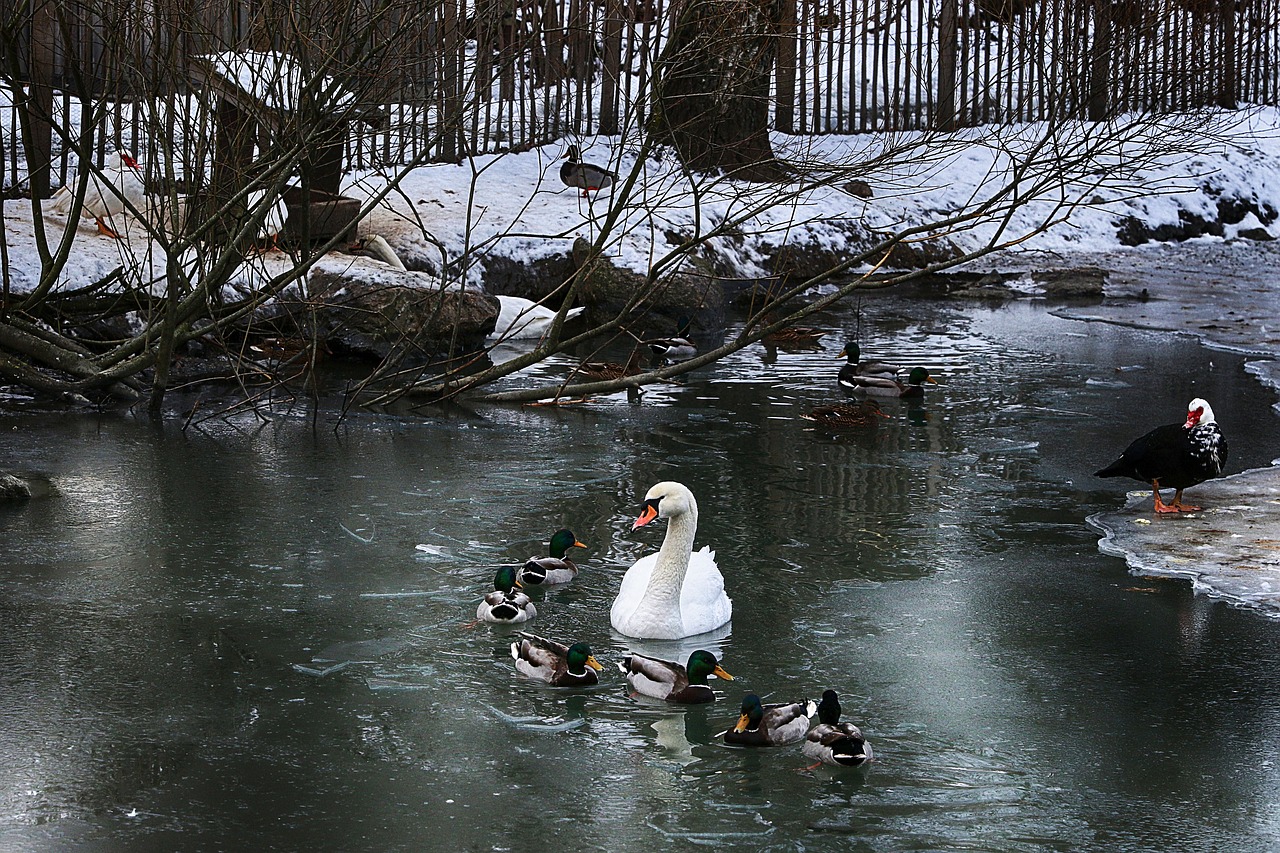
{"x":227,"y":638}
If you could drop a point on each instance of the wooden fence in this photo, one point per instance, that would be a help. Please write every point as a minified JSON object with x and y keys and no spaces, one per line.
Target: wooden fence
{"x":476,"y":76}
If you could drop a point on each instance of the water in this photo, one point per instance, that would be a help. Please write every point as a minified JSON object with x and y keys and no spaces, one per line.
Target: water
{"x":227,"y":638}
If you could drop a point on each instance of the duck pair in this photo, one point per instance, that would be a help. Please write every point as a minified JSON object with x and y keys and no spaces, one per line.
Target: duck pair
{"x":831,"y":742}
{"x":878,"y":378}
{"x":508,"y":604}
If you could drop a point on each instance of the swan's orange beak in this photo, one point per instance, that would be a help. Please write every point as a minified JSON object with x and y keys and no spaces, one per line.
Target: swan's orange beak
{"x":649,"y":514}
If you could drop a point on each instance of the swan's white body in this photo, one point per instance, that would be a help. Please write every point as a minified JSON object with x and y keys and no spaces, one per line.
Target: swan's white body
{"x":273,"y":223}
{"x":524,"y":319}
{"x":676,"y":592}
{"x":112,"y":193}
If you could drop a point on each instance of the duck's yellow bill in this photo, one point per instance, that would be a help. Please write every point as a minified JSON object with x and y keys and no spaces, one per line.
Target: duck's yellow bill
{"x":719,"y":672}
{"x":743,"y":722}
{"x":593,"y":663}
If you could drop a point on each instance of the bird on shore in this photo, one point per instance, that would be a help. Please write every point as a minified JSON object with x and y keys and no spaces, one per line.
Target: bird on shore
{"x":887,"y":386}
{"x":844,"y":415}
{"x":553,"y":569}
{"x":555,"y":663}
{"x":587,"y":177}
{"x":1175,"y":456}
{"x":869,"y":367}
{"x":833,"y":742}
{"x":777,"y":724}
{"x":506,"y":603}
{"x":671,"y":682}
{"x":116,"y":189}
{"x":376,"y":246}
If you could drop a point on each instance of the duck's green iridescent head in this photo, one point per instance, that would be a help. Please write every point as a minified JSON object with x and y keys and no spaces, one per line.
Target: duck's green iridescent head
{"x":563,"y":540}
{"x":752,"y":713}
{"x":829,"y":708}
{"x":919,"y":375}
{"x":702,"y":664}
{"x":851,"y":352}
{"x":505,"y":579}
{"x":580,"y":657}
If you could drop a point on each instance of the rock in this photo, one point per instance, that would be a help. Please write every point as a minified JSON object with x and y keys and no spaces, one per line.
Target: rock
{"x":529,"y":279}
{"x":395,"y":316}
{"x":858,"y":188}
{"x":1131,"y":231}
{"x":14,"y":488}
{"x":1078,"y":283}
{"x":1260,"y":234}
{"x":607,"y":288}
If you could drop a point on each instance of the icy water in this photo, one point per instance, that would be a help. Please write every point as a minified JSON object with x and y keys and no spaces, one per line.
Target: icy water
{"x":226,"y":639}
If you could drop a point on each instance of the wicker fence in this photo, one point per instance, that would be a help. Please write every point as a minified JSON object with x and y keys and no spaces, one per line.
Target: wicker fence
{"x":477,"y":76}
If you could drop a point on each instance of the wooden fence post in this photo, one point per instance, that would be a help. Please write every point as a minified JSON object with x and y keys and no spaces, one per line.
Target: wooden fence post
{"x":1229,"y":85}
{"x":1100,"y":61}
{"x":785,"y":108}
{"x":40,"y":128}
{"x":449,"y":99}
{"x":612,"y":82}
{"x":948,"y":43}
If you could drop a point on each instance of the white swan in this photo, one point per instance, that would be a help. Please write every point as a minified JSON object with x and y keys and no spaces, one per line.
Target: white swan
{"x":676,"y":592}
{"x":524,"y":319}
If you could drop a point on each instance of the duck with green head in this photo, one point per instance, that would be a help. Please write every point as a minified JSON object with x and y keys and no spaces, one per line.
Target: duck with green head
{"x":868,"y":367}
{"x":555,"y":569}
{"x":887,"y":386}
{"x":672,"y":682}
{"x":833,"y":742}
{"x":678,"y":348}
{"x":506,"y":604}
{"x":555,"y":663}
{"x":777,"y":724}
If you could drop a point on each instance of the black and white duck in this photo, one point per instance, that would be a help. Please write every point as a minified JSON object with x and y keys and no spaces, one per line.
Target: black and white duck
{"x":676,"y":348}
{"x":1175,"y":456}
{"x":506,"y":604}
{"x":833,"y":742}
{"x":553,"y":569}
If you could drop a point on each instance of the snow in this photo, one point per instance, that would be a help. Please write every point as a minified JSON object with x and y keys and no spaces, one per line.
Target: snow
{"x":514,"y":205}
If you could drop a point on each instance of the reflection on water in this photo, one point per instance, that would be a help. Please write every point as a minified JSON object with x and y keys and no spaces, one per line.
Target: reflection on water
{"x":257,"y":631}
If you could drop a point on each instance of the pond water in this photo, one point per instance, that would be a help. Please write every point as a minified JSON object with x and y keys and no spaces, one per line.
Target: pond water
{"x":226,"y":637}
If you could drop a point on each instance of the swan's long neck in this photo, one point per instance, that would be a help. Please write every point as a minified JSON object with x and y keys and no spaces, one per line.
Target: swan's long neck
{"x":673,"y":561}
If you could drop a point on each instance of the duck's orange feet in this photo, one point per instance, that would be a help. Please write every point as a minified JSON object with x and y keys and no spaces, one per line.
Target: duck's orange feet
{"x":106,"y":230}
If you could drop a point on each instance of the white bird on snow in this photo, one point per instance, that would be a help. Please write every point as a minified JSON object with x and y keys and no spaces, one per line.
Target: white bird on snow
{"x":112,"y":191}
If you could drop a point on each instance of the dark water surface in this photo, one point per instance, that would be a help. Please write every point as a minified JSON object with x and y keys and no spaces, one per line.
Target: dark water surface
{"x":166,"y":615}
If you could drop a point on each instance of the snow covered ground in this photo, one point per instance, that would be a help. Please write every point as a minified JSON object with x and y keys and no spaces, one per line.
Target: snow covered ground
{"x":445,"y":216}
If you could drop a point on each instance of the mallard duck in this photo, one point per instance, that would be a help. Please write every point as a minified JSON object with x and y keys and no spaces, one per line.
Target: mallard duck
{"x":524,"y":319}
{"x":853,"y":367}
{"x":677,"y":348}
{"x":555,"y":663}
{"x":865,"y":413}
{"x":116,"y":189}
{"x":554,"y":569}
{"x":887,"y":386}
{"x":677,"y":592}
{"x":587,"y":177}
{"x":1175,"y":456}
{"x":834,"y":742}
{"x":771,"y":725}
{"x":792,"y":338}
{"x":600,"y":371}
{"x":672,"y":682}
{"x":506,"y":603}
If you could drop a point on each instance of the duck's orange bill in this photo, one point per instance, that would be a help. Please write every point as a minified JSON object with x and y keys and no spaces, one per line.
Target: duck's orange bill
{"x":649,"y":514}
{"x":593,"y":663}
{"x":577,"y":544}
{"x":743,"y":723}
{"x":719,"y":672}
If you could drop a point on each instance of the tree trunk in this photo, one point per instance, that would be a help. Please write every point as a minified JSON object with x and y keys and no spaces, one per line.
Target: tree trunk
{"x":712,"y":92}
